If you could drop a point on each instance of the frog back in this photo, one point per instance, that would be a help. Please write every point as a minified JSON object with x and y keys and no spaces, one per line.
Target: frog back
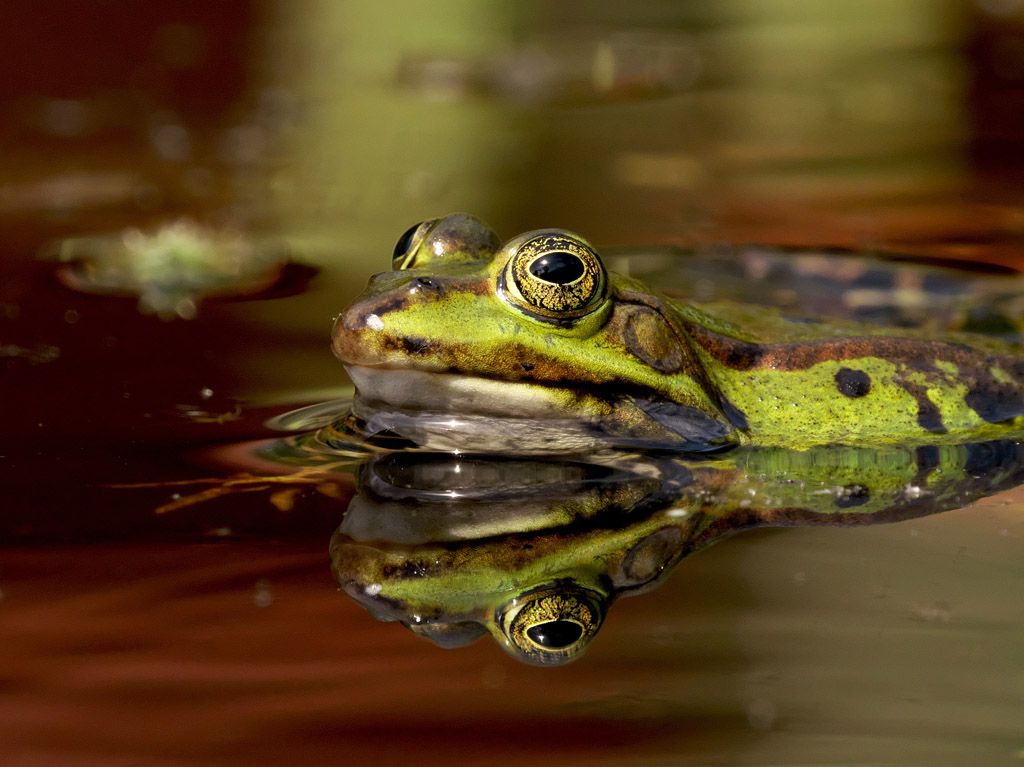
{"x":797,"y":382}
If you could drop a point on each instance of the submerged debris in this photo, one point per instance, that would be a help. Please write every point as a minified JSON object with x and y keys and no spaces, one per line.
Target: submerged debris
{"x":170,"y":269}
{"x":38,"y":354}
{"x":322,"y":480}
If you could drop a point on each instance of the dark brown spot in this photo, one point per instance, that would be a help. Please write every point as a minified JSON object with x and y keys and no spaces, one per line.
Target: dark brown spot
{"x":852,"y":383}
{"x":928,"y":416}
{"x":415,"y":345}
{"x":995,"y":402}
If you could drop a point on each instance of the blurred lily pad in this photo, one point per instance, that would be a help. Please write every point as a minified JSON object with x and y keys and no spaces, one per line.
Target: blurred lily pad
{"x":173,"y":268}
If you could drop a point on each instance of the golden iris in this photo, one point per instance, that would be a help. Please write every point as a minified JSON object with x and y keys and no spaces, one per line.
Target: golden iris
{"x":556,"y":275}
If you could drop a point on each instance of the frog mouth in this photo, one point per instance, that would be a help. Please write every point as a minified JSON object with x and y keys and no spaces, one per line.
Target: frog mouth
{"x":426,"y":391}
{"x":462,"y":413}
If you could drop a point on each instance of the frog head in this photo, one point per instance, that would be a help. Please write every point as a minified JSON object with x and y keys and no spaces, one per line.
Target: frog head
{"x":472,"y":345}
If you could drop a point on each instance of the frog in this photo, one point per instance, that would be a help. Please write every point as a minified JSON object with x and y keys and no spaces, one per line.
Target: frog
{"x":531,"y":345}
{"x":534,"y":552}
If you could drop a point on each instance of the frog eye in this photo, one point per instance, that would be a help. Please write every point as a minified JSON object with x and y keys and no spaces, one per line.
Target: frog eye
{"x":457,"y":237}
{"x":408,"y":243}
{"x":551,"y":626}
{"x":554,"y":275}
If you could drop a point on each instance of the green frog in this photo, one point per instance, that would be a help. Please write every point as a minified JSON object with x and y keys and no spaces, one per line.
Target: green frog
{"x":532,"y":345}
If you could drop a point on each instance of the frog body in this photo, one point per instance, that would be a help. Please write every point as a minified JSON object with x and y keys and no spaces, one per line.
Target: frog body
{"x":534,"y":346}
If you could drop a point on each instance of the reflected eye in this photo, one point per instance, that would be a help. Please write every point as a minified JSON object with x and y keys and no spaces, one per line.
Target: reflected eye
{"x":555,"y":275}
{"x":554,"y":635}
{"x":552,"y":626}
{"x":405,"y":248}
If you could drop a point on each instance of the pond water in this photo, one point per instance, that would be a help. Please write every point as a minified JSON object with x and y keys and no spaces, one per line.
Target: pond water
{"x":167,"y":591}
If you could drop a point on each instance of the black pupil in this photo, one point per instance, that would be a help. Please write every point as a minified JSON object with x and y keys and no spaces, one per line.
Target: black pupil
{"x":402,"y":246}
{"x":559,"y":267}
{"x":555,"y":635}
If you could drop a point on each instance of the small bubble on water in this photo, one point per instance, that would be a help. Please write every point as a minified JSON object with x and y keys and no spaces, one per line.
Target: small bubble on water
{"x":206,"y":392}
{"x":71,"y":316}
{"x":175,"y":496}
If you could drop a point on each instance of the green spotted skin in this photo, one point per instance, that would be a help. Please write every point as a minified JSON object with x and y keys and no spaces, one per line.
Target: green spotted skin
{"x":607,"y":347}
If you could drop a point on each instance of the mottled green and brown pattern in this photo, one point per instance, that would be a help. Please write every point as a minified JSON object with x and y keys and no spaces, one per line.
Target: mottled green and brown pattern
{"x":635,"y":362}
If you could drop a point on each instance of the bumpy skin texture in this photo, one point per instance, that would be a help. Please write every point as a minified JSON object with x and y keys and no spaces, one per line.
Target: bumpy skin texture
{"x":720,"y":374}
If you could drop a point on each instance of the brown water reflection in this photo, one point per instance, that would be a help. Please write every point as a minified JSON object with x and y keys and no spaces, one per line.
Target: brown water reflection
{"x":132,"y":639}
{"x":775,"y":647}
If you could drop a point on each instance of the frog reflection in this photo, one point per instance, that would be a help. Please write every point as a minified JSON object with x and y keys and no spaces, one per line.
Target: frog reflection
{"x":536,"y":552}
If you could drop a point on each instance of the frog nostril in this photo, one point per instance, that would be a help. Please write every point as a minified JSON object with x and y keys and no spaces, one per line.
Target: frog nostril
{"x":426,"y":284}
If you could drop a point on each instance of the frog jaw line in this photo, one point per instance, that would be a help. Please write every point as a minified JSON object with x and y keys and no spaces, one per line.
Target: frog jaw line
{"x":461,"y":413}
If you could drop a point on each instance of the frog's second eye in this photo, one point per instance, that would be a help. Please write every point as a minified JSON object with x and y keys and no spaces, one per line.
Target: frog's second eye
{"x":455,"y":238}
{"x":555,"y":275}
{"x":408,"y":243}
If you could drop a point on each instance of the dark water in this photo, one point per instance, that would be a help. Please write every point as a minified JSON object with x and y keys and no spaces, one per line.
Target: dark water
{"x":214,"y":633}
